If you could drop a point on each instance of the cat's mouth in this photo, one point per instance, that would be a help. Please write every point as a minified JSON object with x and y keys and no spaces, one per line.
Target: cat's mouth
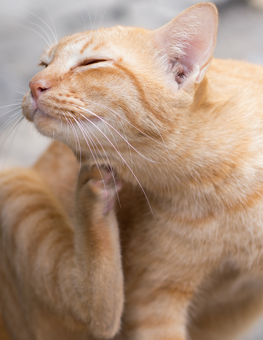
{"x":33,"y":113}
{"x":44,"y":114}
{"x":31,"y":109}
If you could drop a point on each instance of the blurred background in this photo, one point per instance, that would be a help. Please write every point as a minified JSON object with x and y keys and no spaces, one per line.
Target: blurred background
{"x":27,"y":26}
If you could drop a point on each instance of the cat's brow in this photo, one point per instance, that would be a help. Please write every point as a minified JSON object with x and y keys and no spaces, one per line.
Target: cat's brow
{"x":47,"y":56}
{"x":51,"y":51}
{"x":89,"y":42}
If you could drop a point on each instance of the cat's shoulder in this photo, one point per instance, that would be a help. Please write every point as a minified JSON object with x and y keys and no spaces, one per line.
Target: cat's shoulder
{"x":235,"y":68}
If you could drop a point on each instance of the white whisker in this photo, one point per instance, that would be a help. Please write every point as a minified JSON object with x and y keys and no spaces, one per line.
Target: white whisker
{"x":5,"y":113}
{"x":112,"y":136}
{"x":54,"y":26}
{"x":106,"y":7}
{"x":123,"y":161}
{"x":88,"y":14}
{"x":90,"y":150}
{"x":82,"y":128}
{"x":104,"y":121}
{"x":83,"y":21}
{"x":108,"y":161}
{"x":91,"y":143}
{"x":23,"y":93}
{"x":126,"y":120}
{"x":95,"y":18}
{"x":31,"y":29}
{"x":10,"y":120}
{"x":43,"y":21}
{"x":12,"y":134}
{"x":1,"y":107}
{"x":24,"y":88}
{"x":68,"y":126}
{"x":120,"y":116}
{"x":76,"y":136}
{"x":42,"y":29}
{"x":15,"y":124}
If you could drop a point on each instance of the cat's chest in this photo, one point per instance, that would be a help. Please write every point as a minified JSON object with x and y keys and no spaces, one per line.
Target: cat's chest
{"x":170,"y":242}
{"x":157,"y":244}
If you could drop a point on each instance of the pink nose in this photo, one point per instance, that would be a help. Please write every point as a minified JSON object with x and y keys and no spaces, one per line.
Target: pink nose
{"x":39,"y":86}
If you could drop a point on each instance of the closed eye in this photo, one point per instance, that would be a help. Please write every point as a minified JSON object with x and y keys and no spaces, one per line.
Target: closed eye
{"x":42,"y":63}
{"x":92,"y":61}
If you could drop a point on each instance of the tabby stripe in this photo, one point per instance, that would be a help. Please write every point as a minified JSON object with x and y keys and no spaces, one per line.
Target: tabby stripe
{"x":87,"y":44}
{"x":143,"y":98}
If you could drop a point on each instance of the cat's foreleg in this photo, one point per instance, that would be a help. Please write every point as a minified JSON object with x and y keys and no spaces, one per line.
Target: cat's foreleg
{"x":228,"y":316}
{"x":98,"y":241}
{"x":75,"y":271}
{"x":159,"y":314}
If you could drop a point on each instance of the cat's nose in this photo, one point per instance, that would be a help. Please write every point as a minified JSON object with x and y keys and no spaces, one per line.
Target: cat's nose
{"x":39,"y":86}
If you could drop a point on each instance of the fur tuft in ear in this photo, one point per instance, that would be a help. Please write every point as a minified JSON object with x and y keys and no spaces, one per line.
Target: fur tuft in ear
{"x":188,"y":42}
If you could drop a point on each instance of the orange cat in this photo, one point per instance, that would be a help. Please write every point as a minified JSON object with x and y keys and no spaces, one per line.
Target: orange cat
{"x":184,"y":134}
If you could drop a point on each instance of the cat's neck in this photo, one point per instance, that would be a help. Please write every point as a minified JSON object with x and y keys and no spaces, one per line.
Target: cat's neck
{"x":215,"y":158}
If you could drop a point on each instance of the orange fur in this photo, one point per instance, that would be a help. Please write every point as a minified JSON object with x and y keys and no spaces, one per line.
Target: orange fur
{"x":184,"y":134}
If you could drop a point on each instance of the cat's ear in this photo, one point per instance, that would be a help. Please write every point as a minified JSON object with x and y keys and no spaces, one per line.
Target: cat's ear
{"x":188,"y":41}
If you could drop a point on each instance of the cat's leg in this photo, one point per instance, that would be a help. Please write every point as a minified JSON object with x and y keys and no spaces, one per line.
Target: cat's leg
{"x":72,"y":272}
{"x":159,"y":314}
{"x":229,"y":320}
{"x":3,"y":331}
{"x":226,"y":312}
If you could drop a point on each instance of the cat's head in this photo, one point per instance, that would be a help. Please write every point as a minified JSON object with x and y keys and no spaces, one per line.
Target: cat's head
{"x":123,"y":91}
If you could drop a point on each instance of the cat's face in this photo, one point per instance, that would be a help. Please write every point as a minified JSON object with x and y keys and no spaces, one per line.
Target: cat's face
{"x":94,"y":84}
{"x":121,"y":89}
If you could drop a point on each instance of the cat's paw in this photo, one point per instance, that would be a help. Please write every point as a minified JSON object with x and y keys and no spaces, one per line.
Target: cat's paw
{"x":102,"y":183}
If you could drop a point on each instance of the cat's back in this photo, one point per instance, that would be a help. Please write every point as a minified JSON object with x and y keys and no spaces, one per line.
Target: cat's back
{"x":230,"y":105}
{"x":237,"y":69}
{"x":236,"y":77}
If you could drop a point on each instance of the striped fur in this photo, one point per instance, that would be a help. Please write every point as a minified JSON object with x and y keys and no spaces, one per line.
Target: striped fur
{"x":44,"y":256}
{"x":184,"y":134}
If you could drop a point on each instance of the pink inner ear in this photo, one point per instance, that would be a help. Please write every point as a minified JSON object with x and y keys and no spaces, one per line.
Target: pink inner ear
{"x":192,"y":54}
{"x":198,"y":47}
{"x":191,"y":37}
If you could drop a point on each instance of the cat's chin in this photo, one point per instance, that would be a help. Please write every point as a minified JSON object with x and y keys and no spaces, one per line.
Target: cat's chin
{"x":47,"y":125}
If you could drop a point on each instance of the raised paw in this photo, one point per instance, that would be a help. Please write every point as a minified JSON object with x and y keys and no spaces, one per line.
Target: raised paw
{"x":103,"y":183}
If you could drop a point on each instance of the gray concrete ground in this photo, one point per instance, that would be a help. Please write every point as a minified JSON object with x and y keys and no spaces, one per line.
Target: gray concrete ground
{"x":22,"y":23}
